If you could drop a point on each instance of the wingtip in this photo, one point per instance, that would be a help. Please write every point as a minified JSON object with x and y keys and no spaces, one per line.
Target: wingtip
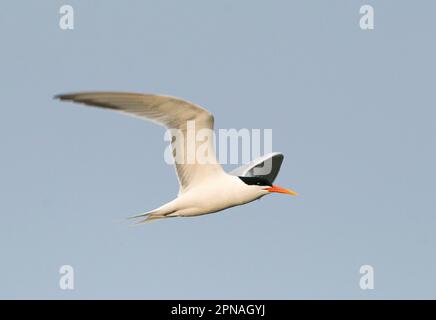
{"x":62,"y":96}
{"x":69,"y":95}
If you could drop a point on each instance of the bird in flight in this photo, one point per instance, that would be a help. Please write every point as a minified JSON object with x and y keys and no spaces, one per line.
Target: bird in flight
{"x":204,"y":187}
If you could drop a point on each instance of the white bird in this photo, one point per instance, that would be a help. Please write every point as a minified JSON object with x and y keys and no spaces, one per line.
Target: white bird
{"x":204,"y":187}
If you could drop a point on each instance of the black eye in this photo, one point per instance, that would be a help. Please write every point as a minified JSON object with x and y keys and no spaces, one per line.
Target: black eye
{"x":255,"y":181}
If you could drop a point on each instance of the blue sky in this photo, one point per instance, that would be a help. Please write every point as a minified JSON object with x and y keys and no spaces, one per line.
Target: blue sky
{"x":352,"y":110}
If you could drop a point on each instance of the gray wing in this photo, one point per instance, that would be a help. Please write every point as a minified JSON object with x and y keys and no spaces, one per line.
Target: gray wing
{"x":171,"y":112}
{"x":267,"y":166}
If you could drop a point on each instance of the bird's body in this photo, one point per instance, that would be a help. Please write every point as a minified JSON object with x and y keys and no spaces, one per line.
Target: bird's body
{"x":221,"y":192}
{"x":204,"y":186}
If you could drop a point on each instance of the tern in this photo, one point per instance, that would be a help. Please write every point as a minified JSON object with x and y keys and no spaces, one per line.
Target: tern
{"x":204,"y":188}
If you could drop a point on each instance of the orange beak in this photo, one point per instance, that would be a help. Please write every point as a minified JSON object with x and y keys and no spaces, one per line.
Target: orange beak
{"x":278,"y":189}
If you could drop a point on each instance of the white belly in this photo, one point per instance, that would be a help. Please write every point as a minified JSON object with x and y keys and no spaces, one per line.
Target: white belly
{"x":215,"y":195}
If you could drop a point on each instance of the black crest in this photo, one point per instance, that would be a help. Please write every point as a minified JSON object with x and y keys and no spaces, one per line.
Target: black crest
{"x":257,"y":181}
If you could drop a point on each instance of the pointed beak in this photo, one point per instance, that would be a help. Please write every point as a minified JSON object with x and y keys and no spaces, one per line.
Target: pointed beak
{"x":278,"y":189}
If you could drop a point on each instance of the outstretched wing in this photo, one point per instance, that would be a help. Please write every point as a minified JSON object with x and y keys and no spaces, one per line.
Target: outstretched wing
{"x":173,"y":113}
{"x":267,"y":166}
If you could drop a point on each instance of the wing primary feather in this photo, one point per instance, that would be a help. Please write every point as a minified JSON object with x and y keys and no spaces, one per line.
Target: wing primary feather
{"x":171,"y":112}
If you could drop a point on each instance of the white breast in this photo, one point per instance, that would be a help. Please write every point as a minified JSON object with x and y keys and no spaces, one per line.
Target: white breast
{"x":214,"y":195}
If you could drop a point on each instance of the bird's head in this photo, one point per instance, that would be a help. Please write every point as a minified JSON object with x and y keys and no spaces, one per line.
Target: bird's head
{"x":264,"y":187}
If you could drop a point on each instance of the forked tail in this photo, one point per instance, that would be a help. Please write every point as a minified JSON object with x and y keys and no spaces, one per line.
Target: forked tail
{"x":151,"y":215}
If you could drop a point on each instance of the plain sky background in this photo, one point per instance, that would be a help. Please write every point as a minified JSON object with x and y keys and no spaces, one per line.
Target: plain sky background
{"x":353,"y":111}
